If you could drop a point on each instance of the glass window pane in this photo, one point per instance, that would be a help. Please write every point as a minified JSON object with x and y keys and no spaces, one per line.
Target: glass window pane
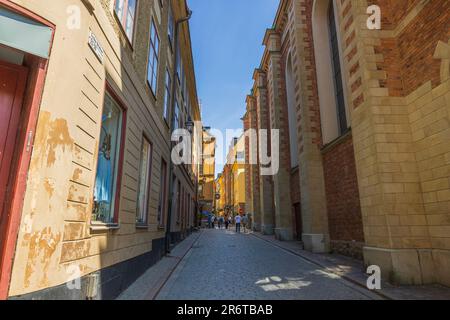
{"x":152,"y":72}
{"x":144,"y":177}
{"x":107,"y":162}
{"x":119,"y":8}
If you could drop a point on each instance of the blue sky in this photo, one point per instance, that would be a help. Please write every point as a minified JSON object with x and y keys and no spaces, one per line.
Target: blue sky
{"x":227,"y":46}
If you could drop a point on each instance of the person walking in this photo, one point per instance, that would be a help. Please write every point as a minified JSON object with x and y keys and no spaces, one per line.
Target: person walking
{"x":209,"y":221}
{"x":227,"y":222}
{"x":237,"y":220}
{"x":245,"y":222}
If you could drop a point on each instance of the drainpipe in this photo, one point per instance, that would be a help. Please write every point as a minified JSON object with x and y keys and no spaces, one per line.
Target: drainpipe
{"x":172,"y":112}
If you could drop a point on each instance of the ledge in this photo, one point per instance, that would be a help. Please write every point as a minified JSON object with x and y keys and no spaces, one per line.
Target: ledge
{"x":326,"y":148}
{"x":100,"y":226}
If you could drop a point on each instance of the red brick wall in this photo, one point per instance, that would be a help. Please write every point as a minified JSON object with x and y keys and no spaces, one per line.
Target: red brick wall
{"x":295,"y":187}
{"x":408,"y":59}
{"x":392,"y":11}
{"x":341,"y":186}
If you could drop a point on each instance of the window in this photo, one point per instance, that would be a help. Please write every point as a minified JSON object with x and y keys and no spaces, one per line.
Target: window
{"x":108,"y":162}
{"x":176,"y":117}
{"x":152,"y":69}
{"x":171,"y":27}
{"x":179,"y":63}
{"x":144,"y":182}
{"x":330,"y":79}
{"x":292,"y":113}
{"x":183,"y":83}
{"x":162,"y":194}
{"x":167,"y":95}
{"x":182,"y":200}
{"x":240,"y":156}
{"x":178,"y":201}
{"x":126,"y":12}
{"x":337,"y":76}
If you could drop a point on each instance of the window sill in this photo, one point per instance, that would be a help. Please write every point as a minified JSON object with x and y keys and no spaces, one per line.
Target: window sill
{"x":329,"y":146}
{"x":100,"y":226}
{"x":142,"y":226}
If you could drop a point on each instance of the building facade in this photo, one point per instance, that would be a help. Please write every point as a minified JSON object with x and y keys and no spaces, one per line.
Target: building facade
{"x":231,"y":182}
{"x":220,"y":195}
{"x":363,"y":119}
{"x":87,"y":199}
{"x":207,"y":173}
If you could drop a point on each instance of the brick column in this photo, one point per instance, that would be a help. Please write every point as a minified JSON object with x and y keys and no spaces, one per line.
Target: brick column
{"x":252,"y":169}
{"x":265,"y":182}
{"x":279,"y":121}
{"x":385,"y":128}
{"x":312,"y":183}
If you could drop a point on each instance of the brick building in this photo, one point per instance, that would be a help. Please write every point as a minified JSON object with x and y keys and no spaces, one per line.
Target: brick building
{"x":88,"y":181}
{"x":364,"y":120}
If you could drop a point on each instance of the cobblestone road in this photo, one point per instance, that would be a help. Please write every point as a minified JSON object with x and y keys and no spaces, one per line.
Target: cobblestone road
{"x":223,"y":265}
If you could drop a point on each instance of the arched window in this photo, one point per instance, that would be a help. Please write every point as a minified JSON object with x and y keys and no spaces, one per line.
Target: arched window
{"x":333,"y":108}
{"x":337,"y":75}
{"x":292,"y":113}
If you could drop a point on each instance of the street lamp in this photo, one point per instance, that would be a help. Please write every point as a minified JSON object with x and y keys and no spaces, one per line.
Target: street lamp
{"x":189,"y":124}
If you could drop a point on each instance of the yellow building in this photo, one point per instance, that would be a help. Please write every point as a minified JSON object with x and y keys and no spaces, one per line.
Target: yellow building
{"x":238,"y":174}
{"x":207,"y":173}
{"x":232,"y":179}
{"x":220,"y":192}
{"x":89,"y":174}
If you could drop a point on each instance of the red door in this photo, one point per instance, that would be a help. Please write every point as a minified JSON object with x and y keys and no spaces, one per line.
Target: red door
{"x":12,"y":87}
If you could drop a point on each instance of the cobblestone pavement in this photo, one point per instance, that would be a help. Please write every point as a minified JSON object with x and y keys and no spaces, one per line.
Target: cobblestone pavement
{"x":223,"y":265}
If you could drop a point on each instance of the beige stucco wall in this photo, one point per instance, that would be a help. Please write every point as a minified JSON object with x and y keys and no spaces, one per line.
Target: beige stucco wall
{"x":55,"y":234}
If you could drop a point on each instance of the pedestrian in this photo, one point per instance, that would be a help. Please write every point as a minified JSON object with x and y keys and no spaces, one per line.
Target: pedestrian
{"x":209,"y":221}
{"x":221,"y":222}
{"x":245,"y":222}
{"x":227,"y":222}
{"x":237,"y":219}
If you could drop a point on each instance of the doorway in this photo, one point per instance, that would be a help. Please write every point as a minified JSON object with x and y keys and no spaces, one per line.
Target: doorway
{"x":13,"y":80}
{"x":298,"y":221}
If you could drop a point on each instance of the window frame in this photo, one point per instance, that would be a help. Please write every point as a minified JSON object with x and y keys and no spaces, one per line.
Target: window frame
{"x":147,"y":191}
{"x":176,"y":117}
{"x":178,"y":201}
{"x":123,"y":20}
{"x":171,"y":27}
{"x":162,"y":208}
{"x":167,"y":95}
{"x":338,"y":81}
{"x":152,"y":49}
{"x":119,"y":171}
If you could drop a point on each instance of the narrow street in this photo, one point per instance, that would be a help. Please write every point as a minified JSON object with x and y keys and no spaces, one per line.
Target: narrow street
{"x":223,"y":265}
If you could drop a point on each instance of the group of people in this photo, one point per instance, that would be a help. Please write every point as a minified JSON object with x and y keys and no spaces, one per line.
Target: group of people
{"x":225,"y":222}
